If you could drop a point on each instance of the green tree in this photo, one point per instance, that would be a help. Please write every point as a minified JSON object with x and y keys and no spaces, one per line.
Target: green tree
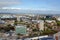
{"x":58,"y":23}
{"x":15,"y":23}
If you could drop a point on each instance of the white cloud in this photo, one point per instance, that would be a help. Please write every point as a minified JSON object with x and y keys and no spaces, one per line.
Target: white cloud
{"x":30,"y":9}
{"x":10,"y":8}
{"x":4,"y":3}
{"x":27,"y":10}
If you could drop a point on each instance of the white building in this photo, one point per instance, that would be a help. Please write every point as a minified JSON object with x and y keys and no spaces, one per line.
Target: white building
{"x":6,"y":16}
{"x":58,"y":18}
{"x":39,"y":37}
{"x":2,"y":22}
{"x":50,"y":21}
{"x":40,"y":24}
{"x":57,"y":36}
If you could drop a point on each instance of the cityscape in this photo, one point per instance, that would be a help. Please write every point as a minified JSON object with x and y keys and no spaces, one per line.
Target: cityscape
{"x":29,"y":19}
{"x":29,"y":27}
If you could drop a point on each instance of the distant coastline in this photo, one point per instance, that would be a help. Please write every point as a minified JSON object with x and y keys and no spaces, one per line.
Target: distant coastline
{"x":30,"y":13}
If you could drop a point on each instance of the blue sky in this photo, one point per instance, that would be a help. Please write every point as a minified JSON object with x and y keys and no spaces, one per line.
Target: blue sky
{"x":41,"y":5}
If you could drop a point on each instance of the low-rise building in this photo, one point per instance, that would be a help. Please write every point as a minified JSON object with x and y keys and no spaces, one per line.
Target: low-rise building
{"x":57,"y":36}
{"x":58,"y":18}
{"x":50,"y":21}
{"x":8,"y":17}
{"x":40,"y":24}
{"x":2,"y":23}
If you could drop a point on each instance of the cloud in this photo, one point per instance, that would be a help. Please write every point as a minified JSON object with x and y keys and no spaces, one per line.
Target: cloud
{"x":4,"y":3}
{"x":31,"y":9}
{"x":10,"y":8}
{"x":28,"y":10}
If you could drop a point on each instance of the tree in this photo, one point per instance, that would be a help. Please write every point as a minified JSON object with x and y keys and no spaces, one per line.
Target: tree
{"x":28,"y":25}
{"x":58,"y":23}
{"x":48,"y":32}
{"x":18,"y":36}
{"x":15,"y":23}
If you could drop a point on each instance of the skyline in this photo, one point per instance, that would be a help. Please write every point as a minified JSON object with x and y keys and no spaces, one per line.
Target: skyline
{"x":30,"y":6}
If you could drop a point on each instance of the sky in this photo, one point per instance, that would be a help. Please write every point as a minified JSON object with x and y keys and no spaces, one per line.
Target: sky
{"x":30,"y":6}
